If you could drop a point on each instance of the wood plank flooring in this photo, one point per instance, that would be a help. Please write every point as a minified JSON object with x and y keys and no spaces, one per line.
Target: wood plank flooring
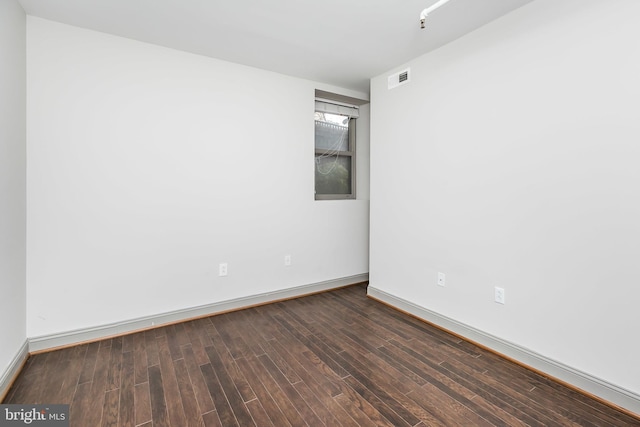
{"x":334,"y":359}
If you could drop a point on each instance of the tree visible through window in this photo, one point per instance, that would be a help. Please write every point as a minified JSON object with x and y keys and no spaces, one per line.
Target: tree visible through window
{"x":334,"y":155}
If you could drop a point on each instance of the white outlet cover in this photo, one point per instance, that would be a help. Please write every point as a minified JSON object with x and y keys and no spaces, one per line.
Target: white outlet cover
{"x":287,"y":260}
{"x":441,"y":279}
{"x":499,"y":295}
{"x":223,"y":269}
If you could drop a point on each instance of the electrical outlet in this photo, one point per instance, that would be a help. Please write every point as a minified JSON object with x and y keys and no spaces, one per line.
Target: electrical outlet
{"x":223,"y":269}
{"x":287,"y":260}
{"x":499,"y":295}
{"x":440,"y":279}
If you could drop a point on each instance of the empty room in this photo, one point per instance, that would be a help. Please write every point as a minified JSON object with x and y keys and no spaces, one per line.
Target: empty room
{"x":415,"y":213}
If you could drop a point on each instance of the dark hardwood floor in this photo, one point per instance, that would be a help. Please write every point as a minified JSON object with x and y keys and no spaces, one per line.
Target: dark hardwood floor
{"x":336,"y":358}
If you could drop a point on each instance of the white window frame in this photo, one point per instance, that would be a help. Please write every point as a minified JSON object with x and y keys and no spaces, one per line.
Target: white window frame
{"x":335,"y":107}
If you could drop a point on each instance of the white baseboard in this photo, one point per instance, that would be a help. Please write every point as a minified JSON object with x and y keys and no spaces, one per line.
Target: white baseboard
{"x":598,"y":387}
{"x":45,"y":342}
{"x":13,"y":369}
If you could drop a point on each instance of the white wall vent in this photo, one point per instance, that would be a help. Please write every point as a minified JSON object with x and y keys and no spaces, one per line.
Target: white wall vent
{"x":399,"y":78}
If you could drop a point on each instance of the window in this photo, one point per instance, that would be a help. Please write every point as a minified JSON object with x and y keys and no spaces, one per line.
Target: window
{"x":335,"y":160}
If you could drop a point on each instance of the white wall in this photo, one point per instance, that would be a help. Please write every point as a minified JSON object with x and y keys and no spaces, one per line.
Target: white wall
{"x":512,"y":159}
{"x":149,"y":166}
{"x":363,"y":161}
{"x":12,"y":181}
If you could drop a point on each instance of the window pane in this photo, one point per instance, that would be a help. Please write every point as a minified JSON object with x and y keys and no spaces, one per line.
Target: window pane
{"x":333,"y":174}
{"x":332,"y":132}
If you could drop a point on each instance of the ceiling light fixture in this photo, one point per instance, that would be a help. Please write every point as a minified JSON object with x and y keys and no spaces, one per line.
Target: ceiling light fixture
{"x":430,"y":9}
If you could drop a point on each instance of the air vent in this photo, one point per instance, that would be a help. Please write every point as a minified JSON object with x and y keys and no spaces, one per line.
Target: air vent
{"x":398,"y":79}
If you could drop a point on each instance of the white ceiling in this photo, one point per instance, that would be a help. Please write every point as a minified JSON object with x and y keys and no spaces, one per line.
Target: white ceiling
{"x":339,"y":42}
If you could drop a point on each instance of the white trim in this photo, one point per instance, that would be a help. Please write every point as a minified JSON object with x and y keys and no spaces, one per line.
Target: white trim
{"x":13,"y":369}
{"x":582,"y":380}
{"x":50,"y":341}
